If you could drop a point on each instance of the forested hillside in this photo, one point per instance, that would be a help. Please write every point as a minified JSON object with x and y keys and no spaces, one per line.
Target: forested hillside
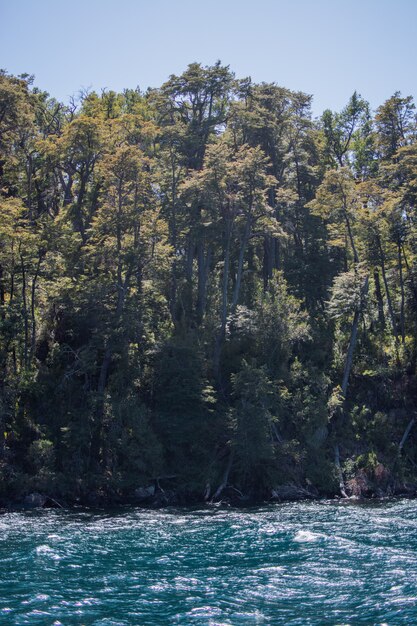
{"x":205,"y":293}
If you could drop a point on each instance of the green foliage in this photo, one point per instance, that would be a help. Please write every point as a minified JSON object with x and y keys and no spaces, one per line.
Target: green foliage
{"x":192,"y":279}
{"x":185,"y":417}
{"x":252,"y":419}
{"x":42,"y":454}
{"x":346,"y":295}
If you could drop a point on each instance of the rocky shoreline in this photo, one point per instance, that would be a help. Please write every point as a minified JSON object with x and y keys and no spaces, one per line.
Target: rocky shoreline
{"x":149,"y":497}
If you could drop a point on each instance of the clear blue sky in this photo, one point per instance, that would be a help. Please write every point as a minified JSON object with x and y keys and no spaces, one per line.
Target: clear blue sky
{"x":327,"y":48}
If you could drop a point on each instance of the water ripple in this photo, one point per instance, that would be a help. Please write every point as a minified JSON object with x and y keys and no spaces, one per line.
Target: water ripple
{"x":297,"y":564}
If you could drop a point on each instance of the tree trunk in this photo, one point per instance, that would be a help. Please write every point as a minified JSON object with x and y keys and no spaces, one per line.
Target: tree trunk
{"x":32,"y":309}
{"x":29,"y":188}
{"x":79,"y":221}
{"x":268,"y":260}
{"x":2,"y":293}
{"x":387,"y":291}
{"x":187,"y":295}
{"x":352,"y":341}
{"x":345,"y":381}
{"x":378,"y":293}
{"x":25,"y":313}
{"x":351,"y":240}
{"x":242,"y":251}
{"x":402,"y":307}
{"x":223,"y":314}
{"x":406,"y":433}
{"x":68,"y":197}
{"x":203,"y":261}
{"x":172,"y":222}
{"x":410,"y":275}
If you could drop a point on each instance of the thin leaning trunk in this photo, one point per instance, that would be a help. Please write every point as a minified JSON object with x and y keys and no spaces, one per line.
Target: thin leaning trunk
{"x":406,"y":434}
{"x":402,"y":307}
{"x":380,"y":301}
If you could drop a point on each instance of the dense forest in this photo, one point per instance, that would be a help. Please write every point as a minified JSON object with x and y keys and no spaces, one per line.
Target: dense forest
{"x":206,"y":294}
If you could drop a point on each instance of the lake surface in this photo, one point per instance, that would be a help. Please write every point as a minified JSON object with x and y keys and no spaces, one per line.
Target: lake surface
{"x":305,"y":563}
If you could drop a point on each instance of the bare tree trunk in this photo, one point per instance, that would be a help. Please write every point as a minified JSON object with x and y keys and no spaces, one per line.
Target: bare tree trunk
{"x":378,"y":293}
{"x":67,"y":187}
{"x":402,"y":308}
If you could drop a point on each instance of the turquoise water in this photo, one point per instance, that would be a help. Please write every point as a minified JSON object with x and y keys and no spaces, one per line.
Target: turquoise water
{"x":304,"y":563}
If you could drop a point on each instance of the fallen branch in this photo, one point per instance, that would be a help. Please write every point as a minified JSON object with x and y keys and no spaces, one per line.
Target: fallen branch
{"x":55,"y":502}
{"x":237,"y":490}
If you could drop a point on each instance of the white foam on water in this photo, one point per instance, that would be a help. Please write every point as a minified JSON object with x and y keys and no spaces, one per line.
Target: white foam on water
{"x":271,"y":569}
{"x":306,"y":536}
{"x":45,"y":550}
